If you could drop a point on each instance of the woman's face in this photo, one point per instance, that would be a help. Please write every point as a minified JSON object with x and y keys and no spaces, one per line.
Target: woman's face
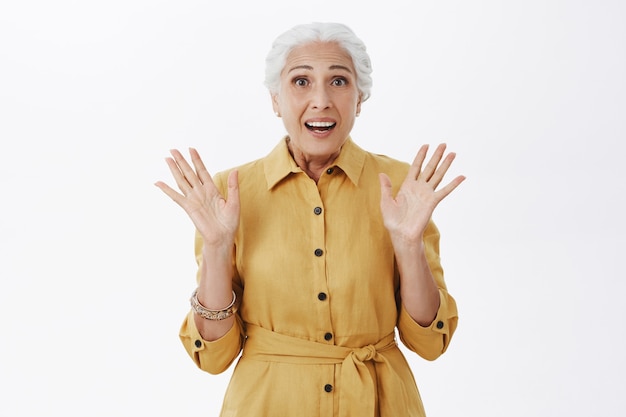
{"x":318,"y":99}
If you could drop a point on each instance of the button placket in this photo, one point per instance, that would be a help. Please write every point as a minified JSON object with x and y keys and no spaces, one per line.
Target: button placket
{"x":322,"y":295}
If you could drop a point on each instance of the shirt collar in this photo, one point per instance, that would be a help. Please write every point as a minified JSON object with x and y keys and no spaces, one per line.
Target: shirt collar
{"x":279,"y":163}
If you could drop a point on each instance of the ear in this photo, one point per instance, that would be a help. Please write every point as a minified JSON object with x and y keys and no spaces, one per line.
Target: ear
{"x":275,"y":105}
{"x":358,"y":105}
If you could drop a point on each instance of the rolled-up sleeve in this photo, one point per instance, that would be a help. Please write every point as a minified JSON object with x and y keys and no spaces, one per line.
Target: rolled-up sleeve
{"x":432,"y":341}
{"x":216,"y":356}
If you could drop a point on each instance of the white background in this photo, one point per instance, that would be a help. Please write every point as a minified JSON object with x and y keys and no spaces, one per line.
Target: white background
{"x":97,"y":265}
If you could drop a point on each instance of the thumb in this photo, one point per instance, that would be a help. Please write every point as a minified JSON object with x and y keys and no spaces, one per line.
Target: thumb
{"x":233,"y":187}
{"x":386,"y":193}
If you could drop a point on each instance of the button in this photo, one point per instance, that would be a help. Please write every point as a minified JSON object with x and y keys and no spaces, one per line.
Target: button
{"x":317,"y":210}
{"x":319,"y":252}
{"x":328,"y":336}
{"x":321,"y":296}
{"x":198,"y":343}
{"x":329,"y":171}
{"x":440,"y":324}
{"x":328,"y":388}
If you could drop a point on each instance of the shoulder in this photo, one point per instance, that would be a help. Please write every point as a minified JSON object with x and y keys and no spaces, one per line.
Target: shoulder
{"x":248,"y":167}
{"x":262,"y":171}
{"x":386,"y":162}
{"x":247,"y":171}
{"x":379,"y":163}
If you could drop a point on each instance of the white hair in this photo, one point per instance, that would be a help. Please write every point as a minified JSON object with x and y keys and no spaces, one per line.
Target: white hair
{"x":319,"y":32}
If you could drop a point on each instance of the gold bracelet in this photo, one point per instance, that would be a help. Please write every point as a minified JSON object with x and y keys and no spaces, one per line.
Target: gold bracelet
{"x":205,"y":313}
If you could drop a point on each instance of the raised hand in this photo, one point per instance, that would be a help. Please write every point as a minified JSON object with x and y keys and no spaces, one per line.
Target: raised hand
{"x":215,"y":216}
{"x":406,"y":216}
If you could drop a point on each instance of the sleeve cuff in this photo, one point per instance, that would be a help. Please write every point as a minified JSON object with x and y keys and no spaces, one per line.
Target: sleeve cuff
{"x":211,"y":356}
{"x":433,"y":340}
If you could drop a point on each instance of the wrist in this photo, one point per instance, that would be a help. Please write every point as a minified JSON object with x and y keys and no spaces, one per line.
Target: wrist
{"x":410,"y":245}
{"x":219,"y":249}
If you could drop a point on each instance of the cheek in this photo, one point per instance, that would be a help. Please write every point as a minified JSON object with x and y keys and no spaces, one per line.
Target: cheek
{"x":292,"y":106}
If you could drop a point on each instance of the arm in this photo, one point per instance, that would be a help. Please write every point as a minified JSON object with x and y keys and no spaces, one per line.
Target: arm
{"x":216,"y":220}
{"x":212,"y":356}
{"x":407,"y":217}
{"x":431,"y":340}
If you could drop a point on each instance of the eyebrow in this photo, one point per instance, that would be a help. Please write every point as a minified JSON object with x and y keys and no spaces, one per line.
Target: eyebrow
{"x":310,"y":68}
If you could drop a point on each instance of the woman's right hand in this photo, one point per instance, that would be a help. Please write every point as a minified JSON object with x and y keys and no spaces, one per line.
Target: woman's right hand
{"x":216,"y":218}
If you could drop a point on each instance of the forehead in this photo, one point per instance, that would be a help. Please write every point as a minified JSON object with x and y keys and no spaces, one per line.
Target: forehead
{"x":318,"y":55}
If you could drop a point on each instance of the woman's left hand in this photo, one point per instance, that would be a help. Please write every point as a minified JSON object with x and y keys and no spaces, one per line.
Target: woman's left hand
{"x":406,"y":216}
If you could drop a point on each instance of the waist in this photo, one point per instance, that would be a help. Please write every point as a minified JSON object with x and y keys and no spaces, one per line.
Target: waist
{"x":266,"y":345}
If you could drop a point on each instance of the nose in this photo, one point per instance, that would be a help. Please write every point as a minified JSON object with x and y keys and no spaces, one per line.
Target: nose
{"x":320,"y":97}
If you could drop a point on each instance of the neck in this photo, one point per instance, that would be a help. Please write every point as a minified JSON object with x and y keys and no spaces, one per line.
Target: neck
{"x":313,"y":166}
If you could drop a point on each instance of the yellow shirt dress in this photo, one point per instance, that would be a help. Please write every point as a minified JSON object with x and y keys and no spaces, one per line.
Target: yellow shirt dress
{"x":319,"y":293}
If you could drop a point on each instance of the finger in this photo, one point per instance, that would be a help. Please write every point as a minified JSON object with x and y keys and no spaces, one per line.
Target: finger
{"x":451,"y":186}
{"x":437,"y":177}
{"x":170,"y":192}
{"x":233,"y":188}
{"x":416,"y":166}
{"x":386,"y":191}
{"x":431,"y":167}
{"x":203,"y":173}
{"x":181,"y":181}
{"x":185,"y":168}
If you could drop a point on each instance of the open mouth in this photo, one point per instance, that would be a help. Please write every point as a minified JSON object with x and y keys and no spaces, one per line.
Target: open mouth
{"x":320,"y":127}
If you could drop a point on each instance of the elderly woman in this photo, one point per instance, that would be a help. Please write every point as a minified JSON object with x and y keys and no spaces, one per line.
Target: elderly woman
{"x":311,"y":257}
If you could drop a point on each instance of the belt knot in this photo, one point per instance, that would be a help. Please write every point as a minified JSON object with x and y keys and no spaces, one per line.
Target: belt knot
{"x":366,"y":353}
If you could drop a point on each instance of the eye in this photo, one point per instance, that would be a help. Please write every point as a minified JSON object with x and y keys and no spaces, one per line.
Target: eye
{"x":339,"y":82}
{"x":301,"y":82}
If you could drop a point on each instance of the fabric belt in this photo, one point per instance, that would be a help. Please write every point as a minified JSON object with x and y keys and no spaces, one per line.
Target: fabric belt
{"x":357,"y":396}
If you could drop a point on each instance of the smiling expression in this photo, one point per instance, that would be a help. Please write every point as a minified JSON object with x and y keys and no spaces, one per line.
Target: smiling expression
{"x":318,"y":100}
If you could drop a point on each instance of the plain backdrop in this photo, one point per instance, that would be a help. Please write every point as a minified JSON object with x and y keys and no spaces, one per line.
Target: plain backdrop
{"x":96,"y":264}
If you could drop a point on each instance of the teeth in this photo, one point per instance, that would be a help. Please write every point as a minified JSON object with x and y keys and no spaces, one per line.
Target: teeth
{"x":320,"y":124}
